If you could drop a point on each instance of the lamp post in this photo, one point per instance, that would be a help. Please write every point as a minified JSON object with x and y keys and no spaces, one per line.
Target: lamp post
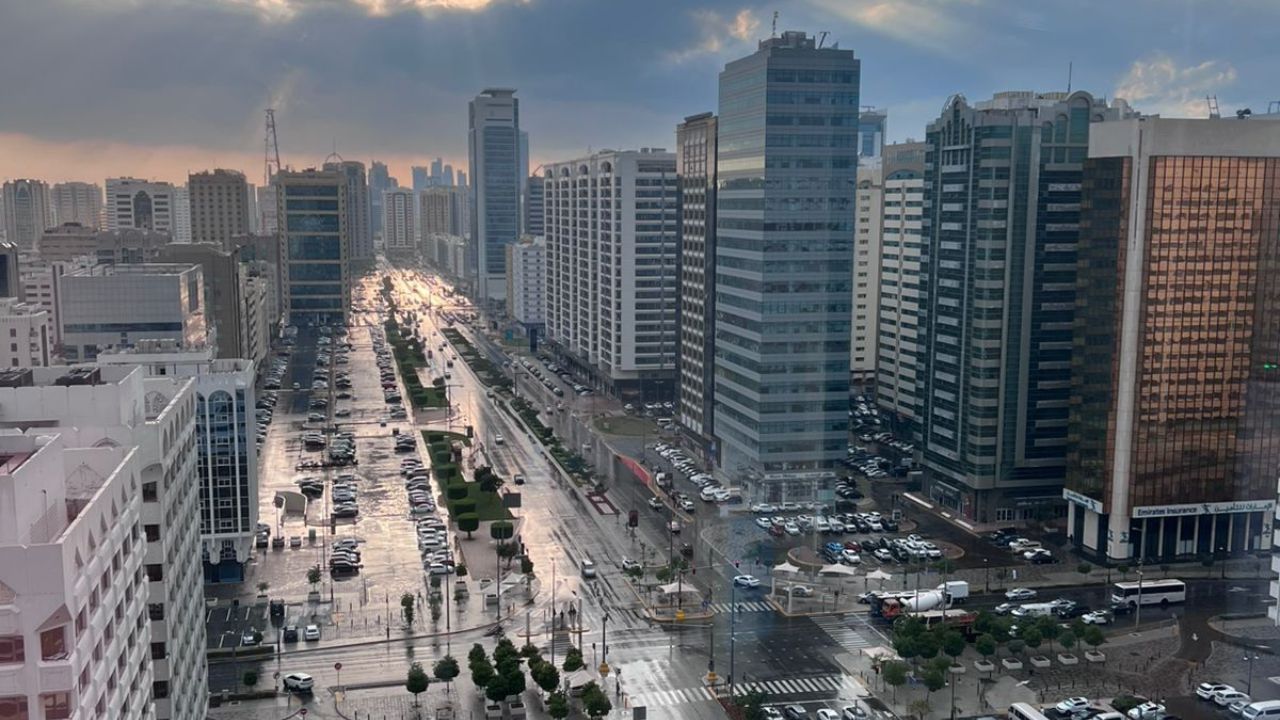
{"x":986,"y":566}
{"x":1251,"y":657}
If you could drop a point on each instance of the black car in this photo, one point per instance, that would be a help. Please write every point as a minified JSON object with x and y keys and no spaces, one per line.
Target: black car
{"x":291,"y":633}
{"x":277,"y":608}
{"x":889,"y":525}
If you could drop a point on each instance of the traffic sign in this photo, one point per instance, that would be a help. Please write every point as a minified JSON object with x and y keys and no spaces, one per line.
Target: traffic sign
{"x":337,"y":666}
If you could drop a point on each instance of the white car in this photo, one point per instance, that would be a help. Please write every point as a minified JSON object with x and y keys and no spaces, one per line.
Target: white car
{"x":827,"y":714}
{"x":298,"y":682}
{"x":1229,"y":695}
{"x":791,"y":528}
{"x":1072,"y":705}
{"x":498,"y":439}
{"x":854,"y":712}
{"x":1205,"y":690}
{"x":1019,"y":593}
{"x":747,"y":581}
{"x":312,"y":632}
{"x":1146,"y":711}
{"x":1102,"y":617}
{"x":764,"y":523}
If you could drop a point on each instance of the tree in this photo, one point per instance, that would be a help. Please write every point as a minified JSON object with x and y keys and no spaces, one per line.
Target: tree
{"x":594,"y":701}
{"x":504,"y":651}
{"x":501,"y":530}
{"x":262,"y":587}
{"x":752,"y":704}
{"x":250,"y":678}
{"x":506,"y":551}
{"x":953,"y":643}
{"x":934,"y":680}
{"x":545,"y":676}
{"x":468,"y":523}
{"x":1124,"y":572}
{"x":476,"y":654}
{"x":1016,"y":645}
{"x":558,"y":705}
{"x":526,"y":565}
{"x":985,"y":645}
{"x":457,"y":490}
{"x":1049,"y":629}
{"x":1084,"y":568}
{"x":634,"y":571}
{"x":927,"y":646}
{"x":446,"y":669}
{"x":416,"y":681}
{"x":481,"y":672}
{"x":407,"y":602}
{"x":496,"y":689}
{"x":573,"y":660}
{"x":1067,"y":640}
{"x":894,"y":674}
{"x":907,"y":646}
{"x":530,"y":652}
{"x":313,"y":576}
{"x":1033,"y":637}
{"x":490,"y":484}
{"x":464,"y":506}
{"x":918,"y":708}
{"x":985,"y":622}
{"x":1094,"y":637}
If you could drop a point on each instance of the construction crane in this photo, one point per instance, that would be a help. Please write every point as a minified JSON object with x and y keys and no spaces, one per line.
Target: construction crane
{"x":1212,"y":100}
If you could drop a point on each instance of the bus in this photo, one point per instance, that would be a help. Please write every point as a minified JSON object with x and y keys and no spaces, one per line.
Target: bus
{"x":1149,"y":592}
{"x":1023,"y":711}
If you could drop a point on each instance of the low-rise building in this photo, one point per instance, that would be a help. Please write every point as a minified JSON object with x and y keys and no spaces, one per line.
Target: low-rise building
{"x":24,"y":334}
{"x":118,"y":305}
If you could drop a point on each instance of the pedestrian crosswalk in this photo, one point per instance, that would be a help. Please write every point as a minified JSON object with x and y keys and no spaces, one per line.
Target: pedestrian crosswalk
{"x":675,"y":696}
{"x":742,"y":607}
{"x":840,"y":631}
{"x":824,"y":685}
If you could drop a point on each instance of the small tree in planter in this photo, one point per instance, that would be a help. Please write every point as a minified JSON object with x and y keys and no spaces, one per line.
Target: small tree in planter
{"x":501,"y":530}
{"x":573,"y":660}
{"x":407,"y":603}
{"x":934,"y":680}
{"x":313,"y":577}
{"x":250,"y":678}
{"x":1094,"y":637}
{"x":558,"y":706}
{"x":507,"y":551}
{"x":1049,"y":629}
{"x":1033,"y":638}
{"x":416,"y":682}
{"x":894,"y":674}
{"x":262,"y":588}
{"x":1067,"y":640}
{"x":446,"y":670}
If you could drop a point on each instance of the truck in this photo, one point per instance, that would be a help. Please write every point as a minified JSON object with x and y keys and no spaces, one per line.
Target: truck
{"x":946,"y":595}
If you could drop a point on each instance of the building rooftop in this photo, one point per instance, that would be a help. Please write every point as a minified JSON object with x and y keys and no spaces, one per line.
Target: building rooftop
{"x":133,"y":269}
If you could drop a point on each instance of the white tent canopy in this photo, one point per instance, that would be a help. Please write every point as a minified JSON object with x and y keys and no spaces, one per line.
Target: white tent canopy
{"x":786,"y":567}
{"x":878,"y":574}
{"x":676,"y":588}
{"x":838,"y":570}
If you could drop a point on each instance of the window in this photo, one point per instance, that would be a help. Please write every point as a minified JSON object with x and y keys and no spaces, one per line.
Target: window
{"x":12,"y":650}
{"x":152,"y":532}
{"x":157,"y":651}
{"x":155,"y":572}
{"x":155,"y":611}
{"x":160,"y":689}
{"x":57,"y":706}
{"x":14,"y":708}
{"x":53,"y":644}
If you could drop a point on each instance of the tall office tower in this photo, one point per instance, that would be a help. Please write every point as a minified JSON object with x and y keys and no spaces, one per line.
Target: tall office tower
{"x":534,"y":210}
{"x":181,"y":215}
{"x":437,"y":172}
{"x":109,"y":306}
{"x":10,"y":272}
{"x":901,"y":290}
{"x":379,"y":182}
{"x":1175,"y":386}
{"x":421,"y":177}
{"x":439,"y":211}
{"x":251,"y":204}
{"x":69,"y":513}
{"x":866,"y":273}
{"x":1002,"y":202}
{"x":267,"y":209}
{"x":133,"y":203}
{"x":27,"y":212}
{"x":872,"y":129}
{"x":447,"y":178}
{"x":400,"y":231}
{"x":219,"y":206}
{"x":527,"y":282}
{"x":494,"y":145}
{"x":314,"y":247}
{"x":150,"y":510}
{"x":784,"y":265}
{"x":224,"y":303}
{"x":462,"y":179}
{"x":25,"y":340}
{"x":696,"y":166}
{"x":359,"y":229}
{"x":524,"y":181}
{"x":227,"y":456}
{"x":77,"y":202}
{"x":611,"y":285}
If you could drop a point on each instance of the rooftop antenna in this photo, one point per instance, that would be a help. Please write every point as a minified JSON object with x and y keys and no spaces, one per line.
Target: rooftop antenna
{"x":1212,"y":100}
{"x":822,"y":38}
{"x":1070,"y":67}
{"x":774,"y":34}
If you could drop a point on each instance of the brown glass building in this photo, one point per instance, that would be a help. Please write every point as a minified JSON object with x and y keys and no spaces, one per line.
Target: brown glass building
{"x":1174,"y":429}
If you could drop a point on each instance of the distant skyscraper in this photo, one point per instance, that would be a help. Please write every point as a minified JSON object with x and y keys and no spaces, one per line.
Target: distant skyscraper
{"x":437,"y":172}
{"x":133,"y":203}
{"x":784,"y":265}
{"x":447,"y":178}
{"x":524,"y":181}
{"x":462,"y":179}
{"x":440,"y":211}
{"x":314,"y":247}
{"x":219,"y":202}
{"x":267,"y":209}
{"x":27,"y":212}
{"x":379,"y":182}
{"x":1174,"y":429}
{"x":1002,"y":203}
{"x":399,"y":234}
{"x":696,"y":166}
{"x":533,"y":209}
{"x":358,"y":224}
{"x":181,"y":215}
{"x":421,"y":177}
{"x":494,"y":147}
{"x":872,"y":129}
{"x":77,"y":202}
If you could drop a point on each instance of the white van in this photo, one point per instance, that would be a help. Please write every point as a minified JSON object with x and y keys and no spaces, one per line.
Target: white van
{"x":1033,"y":610}
{"x":1259,"y":710}
{"x":588,"y":568}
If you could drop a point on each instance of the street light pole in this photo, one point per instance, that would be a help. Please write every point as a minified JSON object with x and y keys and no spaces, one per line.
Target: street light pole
{"x":733,"y":629}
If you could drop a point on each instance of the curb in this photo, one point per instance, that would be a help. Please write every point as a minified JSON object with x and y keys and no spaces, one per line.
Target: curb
{"x":363,"y":643}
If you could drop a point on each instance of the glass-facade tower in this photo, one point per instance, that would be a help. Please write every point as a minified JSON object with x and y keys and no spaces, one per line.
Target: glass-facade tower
{"x":494,"y":146}
{"x":787,"y":161}
{"x":314,"y":247}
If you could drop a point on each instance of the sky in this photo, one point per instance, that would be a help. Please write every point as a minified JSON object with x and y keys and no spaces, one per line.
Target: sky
{"x":160,"y":88}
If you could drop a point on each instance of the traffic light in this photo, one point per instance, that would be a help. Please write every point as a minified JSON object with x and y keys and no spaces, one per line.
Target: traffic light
{"x":1269,"y":366}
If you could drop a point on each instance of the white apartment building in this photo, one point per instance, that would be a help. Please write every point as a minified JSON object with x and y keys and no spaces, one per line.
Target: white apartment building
{"x":399,"y":229}
{"x":526,"y":281}
{"x":901,"y":290}
{"x":866,"y":273}
{"x":134,"y":203}
{"x":228,"y":456}
{"x":25,"y":339}
{"x":118,"y":305}
{"x":154,"y":419}
{"x":612,"y":288}
{"x":181,"y":215}
{"x":75,"y":636}
{"x":220,"y":207}
{"x":77,"y":202}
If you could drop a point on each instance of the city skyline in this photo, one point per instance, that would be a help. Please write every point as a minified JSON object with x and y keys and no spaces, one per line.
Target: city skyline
{"x":170,"y":128}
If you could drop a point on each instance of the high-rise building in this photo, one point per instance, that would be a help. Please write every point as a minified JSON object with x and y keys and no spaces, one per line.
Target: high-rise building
{"x":379,"y":182}
{"x":611,"y":285}
{"x":523,"y":170}
{"x":151,"y":421}
{"x":133,"y":203}
{"x":224,"y":302}
{"x":901,"y":290}
{"x":314,"y":245}
{"x":527,"y":282}
{"x":42,"y":288}
{"x":1175,"y":381}
{"x":872,"y":129}
{"x":1002,"y":202}
{"x":10,"y":272}
{"x":25,"y":340}
{"x":400,"y":233}
{"x":421,"y":177}
{"x":227,"y":456}
{"x":462,"y":179}
{"x":447,"y":178}
{"x":866,"y":272}
{"x":27,"y":212}
{"x":111,"y":306}
{"x":534,"y":209}
{"x":267,"y":209}
{"x":251,"y":202}
{"x":181,"y":215}
{"x":219,"y":206}
{"x":359,"y":229}
{"x":696,"y":166}
{"x":784,"y":265}
{"x":77,"y":202}
{"x":494,"y":146}
{"x":437,"y":173}
{"x":440,"y":211}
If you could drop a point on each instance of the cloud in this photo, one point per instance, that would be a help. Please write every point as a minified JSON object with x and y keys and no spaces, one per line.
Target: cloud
{"x":716,"y":33}
{"x":1158,"y":85}
{"x":922,"y":23}
{"x":288,"y":9}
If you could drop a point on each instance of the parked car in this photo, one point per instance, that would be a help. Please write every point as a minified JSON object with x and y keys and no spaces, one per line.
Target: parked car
{"x":1205,"y":690}
{"x":312,"y":632}
{"x":1072,"y":705}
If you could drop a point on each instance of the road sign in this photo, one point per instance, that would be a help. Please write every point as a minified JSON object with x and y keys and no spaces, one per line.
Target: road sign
{"x":303,"y":712}
{"x":337,"y":666}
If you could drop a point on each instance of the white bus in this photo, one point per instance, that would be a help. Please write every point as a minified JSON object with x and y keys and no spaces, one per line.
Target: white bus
{"x":1023,"y":711}
{"x":1149,"y":592}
